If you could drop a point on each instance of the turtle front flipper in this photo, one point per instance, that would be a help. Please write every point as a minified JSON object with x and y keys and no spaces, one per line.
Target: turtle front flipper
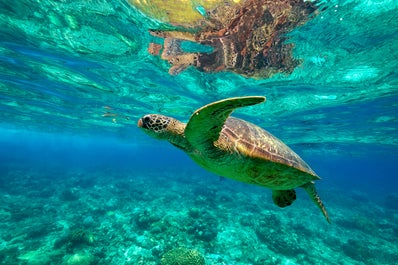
{"x":173,"y":53}
{"x":310,"y":189}
{"x":283,"y":198}
{"x":173,"y":34}
{"x":205,"y":124}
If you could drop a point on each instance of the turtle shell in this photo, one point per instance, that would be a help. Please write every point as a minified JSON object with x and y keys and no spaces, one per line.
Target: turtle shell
{"x":261,"y":158}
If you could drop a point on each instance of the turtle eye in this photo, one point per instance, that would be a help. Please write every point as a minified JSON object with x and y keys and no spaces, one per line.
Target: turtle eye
{"x":147,"y":119}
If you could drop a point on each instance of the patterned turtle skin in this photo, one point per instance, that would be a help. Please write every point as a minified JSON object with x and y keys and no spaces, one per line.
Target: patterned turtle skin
{"x":248,"y":37}
{"x":237,"y":149}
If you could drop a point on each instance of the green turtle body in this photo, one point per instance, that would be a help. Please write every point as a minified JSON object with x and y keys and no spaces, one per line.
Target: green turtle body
{"x":237,"y":149}
{"x":247,"y":153}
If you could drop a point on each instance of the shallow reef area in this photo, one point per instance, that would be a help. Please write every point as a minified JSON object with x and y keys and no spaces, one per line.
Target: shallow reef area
{"x":71,"y":217}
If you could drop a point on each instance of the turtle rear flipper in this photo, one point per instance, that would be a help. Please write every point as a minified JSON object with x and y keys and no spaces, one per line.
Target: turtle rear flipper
{"x":310,"y":189}
{"x":283,"y":198}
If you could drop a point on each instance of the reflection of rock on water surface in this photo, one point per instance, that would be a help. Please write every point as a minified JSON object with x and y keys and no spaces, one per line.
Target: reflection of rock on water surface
{"x":247,"y":37}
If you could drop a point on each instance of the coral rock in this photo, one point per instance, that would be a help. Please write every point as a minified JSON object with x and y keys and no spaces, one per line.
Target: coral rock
{"x":182,"y":256}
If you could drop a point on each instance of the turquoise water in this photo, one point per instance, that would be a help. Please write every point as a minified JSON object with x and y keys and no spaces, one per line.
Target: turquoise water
{"x":81,"y":184}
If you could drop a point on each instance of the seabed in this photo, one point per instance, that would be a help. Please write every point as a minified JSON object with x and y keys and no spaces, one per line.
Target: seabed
{"x":127,"y":217}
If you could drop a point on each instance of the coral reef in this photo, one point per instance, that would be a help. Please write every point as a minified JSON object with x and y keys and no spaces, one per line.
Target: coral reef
{"x":357,"y":250}
{"x":182,"y":256}
{"x":80,"y":259}
{"x":280,"y":241}
{"x":81,"y":236}
{"x":203,"y":227}
{"x":230,"y":223}
{"x":145,"y":219}
{"x":70,"y":194}
{"x":74,"y":239}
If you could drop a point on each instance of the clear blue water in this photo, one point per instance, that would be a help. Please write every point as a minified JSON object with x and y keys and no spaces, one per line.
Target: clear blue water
{"x":75,"y":76}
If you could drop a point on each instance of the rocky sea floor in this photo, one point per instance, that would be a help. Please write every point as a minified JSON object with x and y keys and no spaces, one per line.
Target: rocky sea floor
{"x":68,"y":216}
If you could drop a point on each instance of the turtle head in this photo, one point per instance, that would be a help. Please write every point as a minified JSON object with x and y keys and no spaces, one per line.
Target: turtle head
{"x":155,"y":125}
{"x":164,"y":128}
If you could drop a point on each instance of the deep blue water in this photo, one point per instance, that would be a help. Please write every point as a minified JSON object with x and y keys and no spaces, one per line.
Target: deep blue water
{"x":81,"y":184}
{"x":372,"y":171}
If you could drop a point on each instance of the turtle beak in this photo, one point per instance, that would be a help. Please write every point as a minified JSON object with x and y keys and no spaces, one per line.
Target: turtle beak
{"x":140,"y":124}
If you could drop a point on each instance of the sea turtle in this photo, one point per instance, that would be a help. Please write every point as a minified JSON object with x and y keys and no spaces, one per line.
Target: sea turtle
{"x":237,"y":149}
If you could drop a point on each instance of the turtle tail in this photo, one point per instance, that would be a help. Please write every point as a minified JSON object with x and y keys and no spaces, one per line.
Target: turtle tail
{"x":310,"y":189}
